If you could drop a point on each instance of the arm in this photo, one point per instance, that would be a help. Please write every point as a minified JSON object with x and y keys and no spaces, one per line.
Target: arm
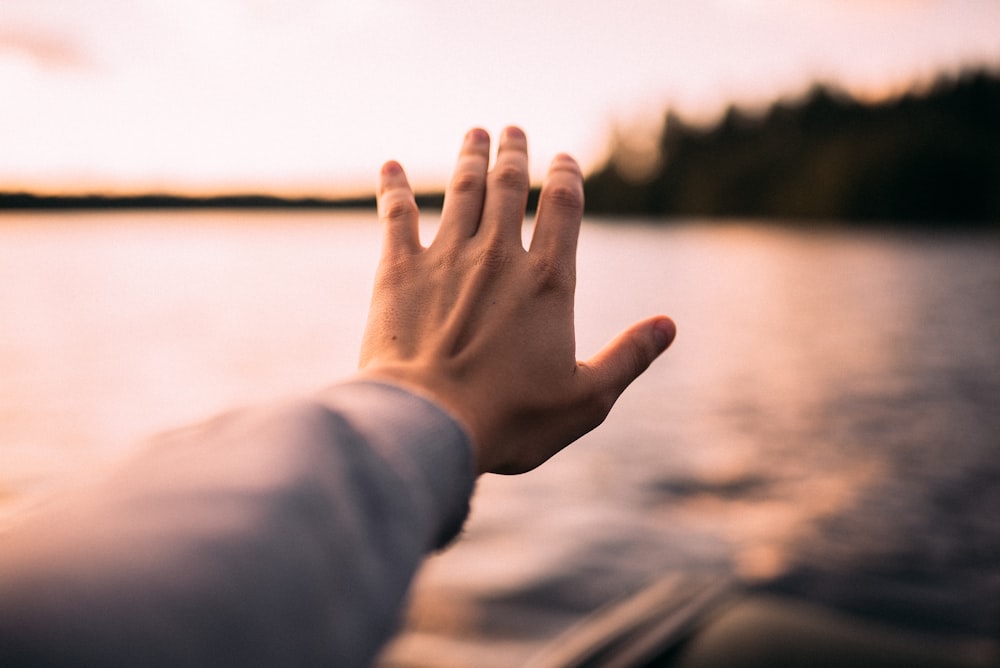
{"x":288,"y":535}
{"x":283,"y":535}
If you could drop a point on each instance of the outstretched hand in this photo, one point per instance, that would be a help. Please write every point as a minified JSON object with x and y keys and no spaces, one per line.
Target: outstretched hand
{"x":485,"y":327}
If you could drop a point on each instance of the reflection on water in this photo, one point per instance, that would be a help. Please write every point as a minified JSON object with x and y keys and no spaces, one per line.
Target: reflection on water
{"x":826,"y":421}
{"x":117,"y":324}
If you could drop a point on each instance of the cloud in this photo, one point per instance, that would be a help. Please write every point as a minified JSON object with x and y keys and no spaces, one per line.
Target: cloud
{"x":45,"y":49}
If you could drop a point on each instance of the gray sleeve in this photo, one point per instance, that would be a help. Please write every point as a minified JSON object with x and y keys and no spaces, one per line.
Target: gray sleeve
{"x":280,"y":536}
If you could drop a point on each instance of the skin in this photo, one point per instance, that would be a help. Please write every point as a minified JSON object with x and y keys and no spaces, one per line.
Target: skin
{"x":485,"y":327}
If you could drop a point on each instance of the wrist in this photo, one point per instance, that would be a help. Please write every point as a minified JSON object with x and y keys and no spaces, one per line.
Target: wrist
{"x":415,"y":383}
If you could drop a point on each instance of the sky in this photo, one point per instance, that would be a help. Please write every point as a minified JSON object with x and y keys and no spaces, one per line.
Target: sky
{"x":309,"y":97}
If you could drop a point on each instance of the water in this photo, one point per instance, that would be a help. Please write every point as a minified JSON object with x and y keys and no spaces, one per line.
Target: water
{"x":827,"y":421}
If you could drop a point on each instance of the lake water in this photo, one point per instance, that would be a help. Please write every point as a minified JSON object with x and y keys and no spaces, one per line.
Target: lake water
{"x":828,"y":419}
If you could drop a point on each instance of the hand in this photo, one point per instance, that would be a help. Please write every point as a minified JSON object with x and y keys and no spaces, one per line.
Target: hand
{"x":485,"y":327}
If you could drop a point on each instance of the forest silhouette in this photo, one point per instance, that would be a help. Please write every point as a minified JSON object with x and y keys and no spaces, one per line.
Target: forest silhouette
{"x":930,"y":158}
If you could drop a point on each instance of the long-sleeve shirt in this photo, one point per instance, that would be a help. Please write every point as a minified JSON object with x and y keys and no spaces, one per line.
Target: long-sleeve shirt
{"x":284,"y":535}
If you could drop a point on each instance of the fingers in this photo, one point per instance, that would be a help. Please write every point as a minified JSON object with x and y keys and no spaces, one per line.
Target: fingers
{"x":507,"y":187}
{"x":560,"y":210}
{"x":463,"y":200}
{"x":397,"y":209}
{"x":620,"y":362}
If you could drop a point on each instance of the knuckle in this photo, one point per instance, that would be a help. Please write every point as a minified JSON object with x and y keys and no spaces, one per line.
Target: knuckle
{"x":399,"y":209}
{"x":552,"y":275}
{"x":493,"y":258}
{"x":639,"y":359}
{"x":449,"y":259}
{"x":565,"y":197}
{"x":467,"y":182}
{"x":511,"y":177}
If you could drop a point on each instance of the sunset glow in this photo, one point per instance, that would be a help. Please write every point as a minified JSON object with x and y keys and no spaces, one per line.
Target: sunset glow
{"x":310,"y":96}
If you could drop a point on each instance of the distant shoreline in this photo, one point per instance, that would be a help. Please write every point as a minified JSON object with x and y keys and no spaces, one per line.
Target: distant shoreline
{"x":23,"y":201}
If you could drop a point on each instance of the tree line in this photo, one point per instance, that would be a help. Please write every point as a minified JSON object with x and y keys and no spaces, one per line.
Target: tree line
{"x":930,"y":157}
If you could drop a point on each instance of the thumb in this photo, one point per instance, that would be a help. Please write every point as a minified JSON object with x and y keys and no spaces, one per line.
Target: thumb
{"x":630,"y":353}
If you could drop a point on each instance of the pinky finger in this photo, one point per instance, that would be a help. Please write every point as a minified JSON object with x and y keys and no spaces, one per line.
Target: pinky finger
{"x":397,"y":209}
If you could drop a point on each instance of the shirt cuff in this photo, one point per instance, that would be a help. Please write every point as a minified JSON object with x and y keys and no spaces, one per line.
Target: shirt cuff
{"x":427,"y":449}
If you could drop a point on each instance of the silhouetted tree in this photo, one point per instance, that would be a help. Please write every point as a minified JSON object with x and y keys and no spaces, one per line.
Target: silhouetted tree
{"x":922,"y":158}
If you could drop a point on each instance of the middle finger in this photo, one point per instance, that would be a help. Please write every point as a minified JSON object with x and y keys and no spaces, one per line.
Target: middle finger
{"x":463,"y":201}
{"x":507,"y":188}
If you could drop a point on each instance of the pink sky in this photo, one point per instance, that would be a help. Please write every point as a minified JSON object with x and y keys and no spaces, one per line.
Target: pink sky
{"x":311,"y":96}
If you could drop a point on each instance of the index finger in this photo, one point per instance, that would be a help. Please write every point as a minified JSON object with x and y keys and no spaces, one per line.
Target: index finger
{"x":560,"y":211}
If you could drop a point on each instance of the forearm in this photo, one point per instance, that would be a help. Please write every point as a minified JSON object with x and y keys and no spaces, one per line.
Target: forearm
{"x":281,"y":536}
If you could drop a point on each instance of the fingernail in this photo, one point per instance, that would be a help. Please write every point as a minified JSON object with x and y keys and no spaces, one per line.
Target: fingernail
{"x":391,"y":168}
{"x":565,"y":159}
{"x":513,"y":132}
{"x":664,"y":331}
{"x":478,"y":135}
